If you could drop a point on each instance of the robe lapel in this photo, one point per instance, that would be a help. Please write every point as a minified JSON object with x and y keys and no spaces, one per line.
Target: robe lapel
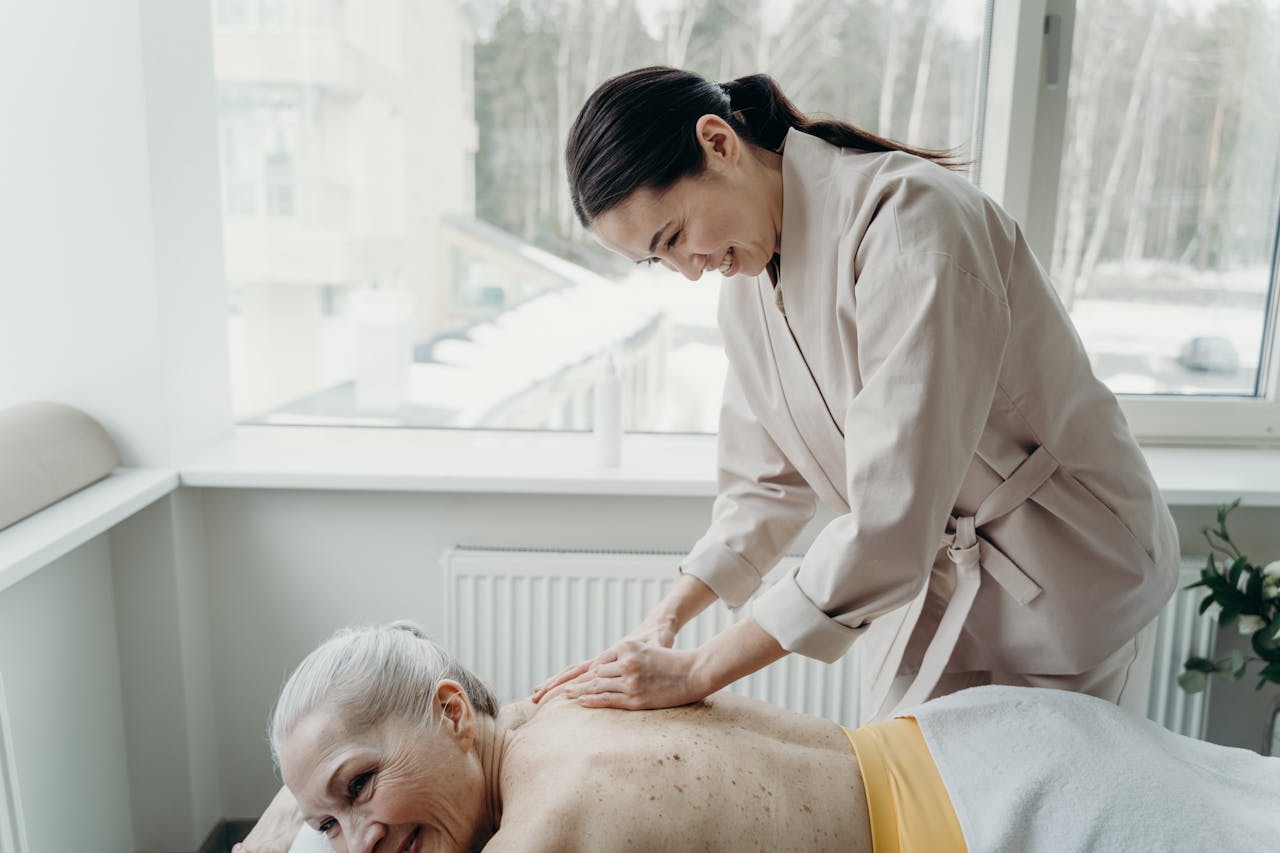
{"x":818,"y":435}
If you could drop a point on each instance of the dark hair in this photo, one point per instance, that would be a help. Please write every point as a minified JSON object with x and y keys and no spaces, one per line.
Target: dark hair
{"x":637,"y":131}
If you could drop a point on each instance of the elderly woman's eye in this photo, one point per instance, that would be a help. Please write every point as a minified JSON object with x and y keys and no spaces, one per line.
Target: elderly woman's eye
{"x":326,"y":827}
{"x":358,"y":784}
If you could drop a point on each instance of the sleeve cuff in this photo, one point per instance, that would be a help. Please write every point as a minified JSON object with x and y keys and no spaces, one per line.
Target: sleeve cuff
{"x":799,"y":625}
{"x":729,"y":575}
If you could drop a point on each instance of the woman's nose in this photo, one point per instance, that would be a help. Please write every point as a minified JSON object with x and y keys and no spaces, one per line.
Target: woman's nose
{"x":691,"y":266}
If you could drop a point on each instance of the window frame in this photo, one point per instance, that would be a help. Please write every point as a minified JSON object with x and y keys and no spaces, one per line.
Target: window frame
{"x":1024,"y":129}
{"x":1020,"y":151}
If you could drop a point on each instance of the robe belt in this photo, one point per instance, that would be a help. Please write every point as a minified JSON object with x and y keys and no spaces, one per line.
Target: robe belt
{"x":970,"y":554}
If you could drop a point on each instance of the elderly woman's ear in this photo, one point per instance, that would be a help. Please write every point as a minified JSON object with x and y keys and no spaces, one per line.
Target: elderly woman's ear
{"x":455,"y":710}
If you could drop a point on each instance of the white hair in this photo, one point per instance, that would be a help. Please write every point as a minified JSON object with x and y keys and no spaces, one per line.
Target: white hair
{"x":372,"y":673}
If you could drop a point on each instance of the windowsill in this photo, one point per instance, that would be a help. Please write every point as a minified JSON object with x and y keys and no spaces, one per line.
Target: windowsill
{"x":273,"y":457}
{"x":30,"y":544}
{"x":563,"y":463}
{"x":499,"y":463}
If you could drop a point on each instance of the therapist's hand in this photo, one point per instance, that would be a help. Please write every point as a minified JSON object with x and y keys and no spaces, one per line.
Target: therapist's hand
{"x":688,"y":597}
{"x":639,"y":676}
{"x":655,"y":631}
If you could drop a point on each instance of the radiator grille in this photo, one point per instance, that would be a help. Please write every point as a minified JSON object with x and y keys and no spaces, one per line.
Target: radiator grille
{"x":1181,"y":631}
{"x":517,"y":616}
{"x":12,"y":836}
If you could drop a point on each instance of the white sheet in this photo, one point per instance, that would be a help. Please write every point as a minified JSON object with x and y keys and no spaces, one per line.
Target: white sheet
{"x":1046,"y":771}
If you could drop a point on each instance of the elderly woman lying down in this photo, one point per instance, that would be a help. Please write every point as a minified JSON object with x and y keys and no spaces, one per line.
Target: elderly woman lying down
{"x":389,"y":745}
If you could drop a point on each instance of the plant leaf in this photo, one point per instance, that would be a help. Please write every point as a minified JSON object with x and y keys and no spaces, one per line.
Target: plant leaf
{"x":1193,"y":682}
{"x":1270,"y":672}
{"x":1264,"y":646}
{"x":1199,"y":664}
{"x":1232,"y":665}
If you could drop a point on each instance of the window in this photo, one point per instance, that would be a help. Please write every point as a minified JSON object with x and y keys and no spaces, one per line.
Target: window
{"x":399,"y":242}
{"x":1169,"y":196}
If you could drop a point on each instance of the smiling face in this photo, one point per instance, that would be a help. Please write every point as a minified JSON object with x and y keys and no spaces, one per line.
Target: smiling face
{"x":726,"y":219}
{"x":397,"y":787}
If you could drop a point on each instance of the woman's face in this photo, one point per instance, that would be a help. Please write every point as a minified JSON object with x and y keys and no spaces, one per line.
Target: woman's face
{"x":727,"y":219}
{"x":398,"y":788}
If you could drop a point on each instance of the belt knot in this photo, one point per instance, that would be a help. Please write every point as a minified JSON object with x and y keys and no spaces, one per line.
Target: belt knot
{"x":962,"y":548}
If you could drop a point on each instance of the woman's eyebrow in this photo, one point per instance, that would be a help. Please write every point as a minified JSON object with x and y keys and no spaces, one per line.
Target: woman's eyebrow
{"x":333,"y":786}
{"x":653,"y":244}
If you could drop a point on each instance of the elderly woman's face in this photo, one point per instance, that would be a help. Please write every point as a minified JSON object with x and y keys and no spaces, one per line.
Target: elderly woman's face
{"x":395,"y":788}
{"x":727,"y":219}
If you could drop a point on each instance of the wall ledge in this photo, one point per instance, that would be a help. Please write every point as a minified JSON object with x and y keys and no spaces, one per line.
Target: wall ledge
{"x":56,"y":530}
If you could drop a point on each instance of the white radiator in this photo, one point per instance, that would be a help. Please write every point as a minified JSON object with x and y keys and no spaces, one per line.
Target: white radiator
{"x":1181,"y":631}
{"x":514,"y":617}
{"x":12,"y":835}
{"x":517,"y":617}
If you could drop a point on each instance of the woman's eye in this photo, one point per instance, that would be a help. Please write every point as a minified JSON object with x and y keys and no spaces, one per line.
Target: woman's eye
{"x":671,"y":244}
{"x":357,"y":785}
{"x":327,"y":826}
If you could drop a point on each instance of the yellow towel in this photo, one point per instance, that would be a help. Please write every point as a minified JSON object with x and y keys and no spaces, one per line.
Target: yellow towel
{"x":907,"y":802}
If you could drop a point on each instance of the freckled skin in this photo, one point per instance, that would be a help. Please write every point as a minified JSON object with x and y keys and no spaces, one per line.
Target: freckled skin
{"x":576,"y":779}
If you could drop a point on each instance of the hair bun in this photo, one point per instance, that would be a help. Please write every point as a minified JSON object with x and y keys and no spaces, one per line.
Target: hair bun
{"x":409,"y":625}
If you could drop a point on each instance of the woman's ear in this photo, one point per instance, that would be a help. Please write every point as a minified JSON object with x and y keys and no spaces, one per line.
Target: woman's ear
{"x":720,"y":145}
{"x":456,"y":711}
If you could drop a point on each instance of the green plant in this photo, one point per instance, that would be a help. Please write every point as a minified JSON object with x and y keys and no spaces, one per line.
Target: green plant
{"x":1240,"y":593}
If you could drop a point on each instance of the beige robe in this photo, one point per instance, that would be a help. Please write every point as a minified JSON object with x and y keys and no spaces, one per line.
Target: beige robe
{"x":915,"y":370}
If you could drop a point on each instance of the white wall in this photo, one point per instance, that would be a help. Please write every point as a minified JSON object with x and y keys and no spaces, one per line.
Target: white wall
{"x":105,"y":277}
{"x":62,"y":686}
{"x":161,"y":604}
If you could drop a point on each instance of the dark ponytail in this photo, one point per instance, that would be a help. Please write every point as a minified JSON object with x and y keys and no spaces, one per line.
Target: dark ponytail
{"x":637,"y":131}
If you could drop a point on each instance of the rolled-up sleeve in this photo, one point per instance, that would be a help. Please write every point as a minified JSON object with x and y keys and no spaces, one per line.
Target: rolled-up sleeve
{"x":930,"y":342}
{"x":762,"y":505}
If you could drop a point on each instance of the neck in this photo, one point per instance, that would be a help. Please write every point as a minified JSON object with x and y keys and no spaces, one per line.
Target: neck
{"x":491,"y":747}
{"x":770,"y":163}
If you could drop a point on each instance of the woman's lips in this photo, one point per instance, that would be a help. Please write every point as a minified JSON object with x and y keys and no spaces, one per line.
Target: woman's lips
{"x":729,"y":263}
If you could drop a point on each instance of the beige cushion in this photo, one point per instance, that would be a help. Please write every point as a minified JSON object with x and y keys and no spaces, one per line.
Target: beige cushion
{"x":48,"y":451}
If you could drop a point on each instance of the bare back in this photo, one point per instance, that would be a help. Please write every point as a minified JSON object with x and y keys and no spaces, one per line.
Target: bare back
{"x":729,"y":773}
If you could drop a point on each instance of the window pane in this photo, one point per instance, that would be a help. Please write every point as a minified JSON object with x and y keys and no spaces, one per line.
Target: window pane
{"x":399,"y":244}
{"x":1170,"y":191}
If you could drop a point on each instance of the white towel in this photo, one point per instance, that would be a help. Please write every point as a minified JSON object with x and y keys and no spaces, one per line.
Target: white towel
{"x":1047,"y":771}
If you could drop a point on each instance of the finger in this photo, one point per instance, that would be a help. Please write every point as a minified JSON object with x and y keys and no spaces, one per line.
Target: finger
{"x":566,"y":674}
{"x":613,"y":669}
{"x":594,"y":685}
{"x":585,"y":678}
{"x":608,"y":655}
{"x":610,"y":700}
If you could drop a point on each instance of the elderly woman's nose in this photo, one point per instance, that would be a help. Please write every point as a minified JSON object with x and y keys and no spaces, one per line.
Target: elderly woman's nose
{"x":365,"y":837}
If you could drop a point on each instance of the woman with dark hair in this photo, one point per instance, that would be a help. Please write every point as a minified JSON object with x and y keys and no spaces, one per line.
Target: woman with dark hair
{"x":895,"y":351}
